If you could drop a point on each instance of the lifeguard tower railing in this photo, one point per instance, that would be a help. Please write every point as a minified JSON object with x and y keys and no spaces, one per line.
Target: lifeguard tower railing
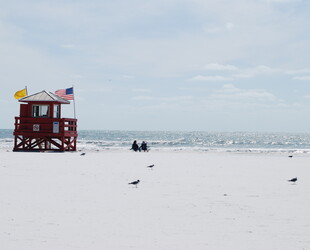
{"x":40,"y":134}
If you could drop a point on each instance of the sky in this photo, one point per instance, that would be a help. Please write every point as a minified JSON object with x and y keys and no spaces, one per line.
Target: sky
{"x":186,"y":65}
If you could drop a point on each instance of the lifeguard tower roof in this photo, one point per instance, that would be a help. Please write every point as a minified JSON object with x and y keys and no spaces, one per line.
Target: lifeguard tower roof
{"x":44,"y":96}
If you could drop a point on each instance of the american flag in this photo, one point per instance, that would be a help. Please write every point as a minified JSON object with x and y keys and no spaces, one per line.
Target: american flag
{"x":65,"y":93}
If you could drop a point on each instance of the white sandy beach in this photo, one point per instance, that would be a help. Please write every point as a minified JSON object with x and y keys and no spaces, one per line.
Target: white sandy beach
{"x":189,"y":200}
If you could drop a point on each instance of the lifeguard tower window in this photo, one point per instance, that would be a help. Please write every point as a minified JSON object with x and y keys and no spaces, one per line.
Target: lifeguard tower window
{"x":40,"y":110}
{"x":56,"y":111}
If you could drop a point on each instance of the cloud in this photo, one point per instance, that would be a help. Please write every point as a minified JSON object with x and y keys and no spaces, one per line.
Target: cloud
{"x":298,"y":71}
{"x":231,"y":94}
{"x":231,"y":72}
{"x":68,"y":46}
{"x":142,"y":90}
{"x":244,"y":75}
{"x":216,"y":78}
{"x":256,"y":71}
{"x":229,"y":26}
{"x":282,"y":1}
{"x":220,"y":67}
{"x":263,"y":69}
{"x":213,"y":29}
{"x":302,"y":78}
{"x":143,"y":98}
{"x":162,"y":99}
{"x":128,"y":77}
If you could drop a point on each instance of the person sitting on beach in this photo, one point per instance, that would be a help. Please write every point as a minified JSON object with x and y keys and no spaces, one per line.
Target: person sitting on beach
{"x":143,"y":146}
{"x":135,"y":146}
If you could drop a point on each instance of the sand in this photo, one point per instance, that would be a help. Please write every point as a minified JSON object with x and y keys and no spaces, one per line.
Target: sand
{"x":189,"y":200}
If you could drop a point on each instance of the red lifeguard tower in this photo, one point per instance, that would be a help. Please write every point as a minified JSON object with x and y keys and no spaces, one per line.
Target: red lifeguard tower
{"x":40,"y":126}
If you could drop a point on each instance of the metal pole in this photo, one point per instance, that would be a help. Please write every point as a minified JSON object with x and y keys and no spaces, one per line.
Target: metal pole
{"x":74,"y":102}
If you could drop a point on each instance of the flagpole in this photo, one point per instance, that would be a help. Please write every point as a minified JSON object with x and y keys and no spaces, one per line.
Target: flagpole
{"x":74,"y":102}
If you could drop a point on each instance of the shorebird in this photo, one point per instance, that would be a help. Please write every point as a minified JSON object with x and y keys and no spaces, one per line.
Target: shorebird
{"x":151,"y":166}
{"x":134,"y":183}
{"x":293,"y":180}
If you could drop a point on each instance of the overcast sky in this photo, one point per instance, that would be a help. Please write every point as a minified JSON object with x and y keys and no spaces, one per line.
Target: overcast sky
{"x":225,"y":65}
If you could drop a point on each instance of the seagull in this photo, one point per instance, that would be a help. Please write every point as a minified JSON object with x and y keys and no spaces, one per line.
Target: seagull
{"x":83,"y":154}
{"x":134,"y":183}
{"x":293,"y":180}
{"x":151,"y":166}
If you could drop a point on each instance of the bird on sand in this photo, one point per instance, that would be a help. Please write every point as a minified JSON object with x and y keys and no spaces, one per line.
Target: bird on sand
{"x":151,"y":166}
{"x":134,"y":183}
{"x":293,"y":180}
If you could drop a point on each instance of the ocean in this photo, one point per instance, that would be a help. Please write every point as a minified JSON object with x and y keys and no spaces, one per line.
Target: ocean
{"x":243,"y":142}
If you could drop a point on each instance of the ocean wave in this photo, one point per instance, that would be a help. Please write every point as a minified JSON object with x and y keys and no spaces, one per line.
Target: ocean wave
{"x":238,"y":142}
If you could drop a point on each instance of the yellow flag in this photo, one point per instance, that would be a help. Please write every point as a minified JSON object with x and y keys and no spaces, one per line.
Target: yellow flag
{"x":21,"y":93}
